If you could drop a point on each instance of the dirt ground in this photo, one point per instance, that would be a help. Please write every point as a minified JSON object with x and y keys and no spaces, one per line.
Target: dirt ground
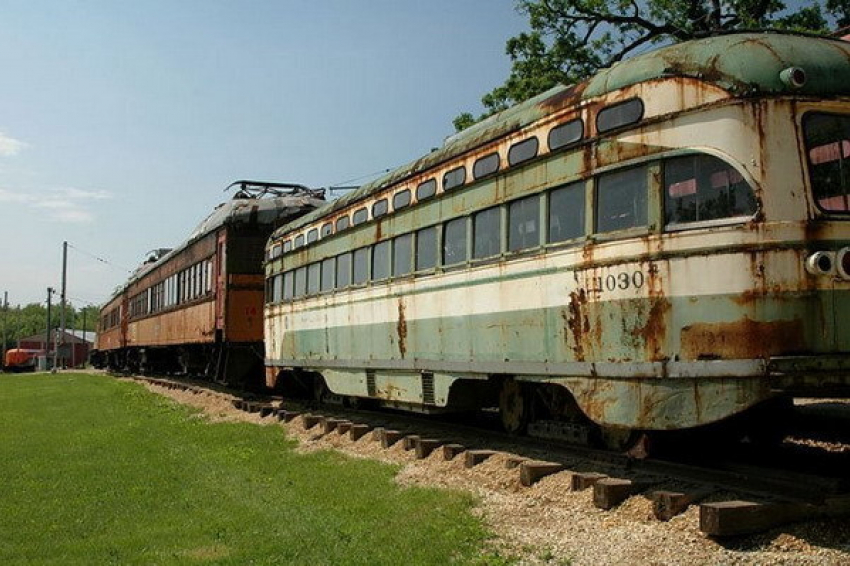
{"x":548,"y":524}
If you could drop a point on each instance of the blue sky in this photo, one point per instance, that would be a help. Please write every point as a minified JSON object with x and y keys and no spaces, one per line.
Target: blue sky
{"x":122,"y":122}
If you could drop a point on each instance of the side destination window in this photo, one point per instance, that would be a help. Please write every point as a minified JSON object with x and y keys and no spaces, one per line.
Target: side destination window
{"x":524,"y":223}
{"x":361,"y":266}
{"x":313,"y":278}
{"x":454,"y":241}
{"x":426,"y":189}
{"x":402,"y":255}
{"x":401,"y":199}
{"x":426,"y":248}
{"x":328,"y":274}
{"x":702,"y":187}
{"x":288,"y":285}
{"x":454,"y":178}
{"x":327,"y":229}
{"x":565,"y":134}
{"x":300,"y":282}
{"x":341,"y":223}
{"x":621,"y":199}
{"x":486,"y":165}
{"x":380,"y":208}
{"x":487,"y":233}
{"x":523,"y":151}
{"x":381,"y":260}
{"x":299,"y":241}
{"x":566,"y":213}
{"x":620,"y":114}
{"x":287,"y":246}
{"x":828,"y":149}
{"x":361,"y":215}
{"x":343,"y":270}
{"x":312,"y":235}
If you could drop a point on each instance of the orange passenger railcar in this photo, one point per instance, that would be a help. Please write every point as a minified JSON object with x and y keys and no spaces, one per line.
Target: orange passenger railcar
{"x":197,"y":309}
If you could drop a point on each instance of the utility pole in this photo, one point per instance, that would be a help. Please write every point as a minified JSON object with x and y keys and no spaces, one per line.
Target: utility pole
{"x":5,"y":324}
{"x":47,"y":338}
{"x":64,"y":285}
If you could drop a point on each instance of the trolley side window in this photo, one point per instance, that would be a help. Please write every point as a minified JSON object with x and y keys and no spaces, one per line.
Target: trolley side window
{"x":402,"y":255}
{"x":621,"y":199}
{"x":487,"y":233}
{"x":313,"y":278}
{"x":454,"y":241}
{"x":343,"y":270}
{"x":381,"y":260}
{"x":426,"y":248}
{"x":288,"y":285}
{"x":698,"y":188}
{"x":524,"y":223}
{"x":328,"y":274}
{"x":566,"y":213}
{"x":828,"y":152}
{"x":361,"y":266}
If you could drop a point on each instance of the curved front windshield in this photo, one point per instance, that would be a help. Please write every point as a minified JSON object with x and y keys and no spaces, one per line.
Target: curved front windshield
{"x":828,"y":152}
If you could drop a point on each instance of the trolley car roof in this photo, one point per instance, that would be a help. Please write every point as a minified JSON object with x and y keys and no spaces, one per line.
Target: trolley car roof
{"x":744,"y":64}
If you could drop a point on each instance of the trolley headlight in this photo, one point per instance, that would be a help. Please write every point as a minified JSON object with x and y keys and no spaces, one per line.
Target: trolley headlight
{"x":793,"y":77}
{"x":821,"y":263}
{"x":842,"y":262}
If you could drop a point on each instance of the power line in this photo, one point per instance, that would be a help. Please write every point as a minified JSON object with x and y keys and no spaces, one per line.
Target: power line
{"x":368,"y":175}
{"x":100,"y":259}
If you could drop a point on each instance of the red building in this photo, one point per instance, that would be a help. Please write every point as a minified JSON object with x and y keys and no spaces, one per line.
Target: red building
{"x":73,"y":350}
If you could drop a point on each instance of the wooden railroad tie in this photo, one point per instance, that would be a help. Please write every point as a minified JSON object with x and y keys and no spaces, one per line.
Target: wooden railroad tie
{"x":584,"y":480}
{"x":610,"y":492}
{"x":668,"y":504}
{"x":309,"y":421}
{"x":377,"y":433}
{"x":452,"y":450}
{"x":358,"y":431}
{"x":328,"y":424}
{"x":409,"y":441}
{"x":731,"y":518}
{"x":238,"y":404}
{"x":425,"y":446}
{"x":287,"y":416}
{"x":513,"y":461}
{"x":342,"y":427}
{"x":390,"y":437}
{"x":531,"y":471}
{"x":266,"y":410}
{"x":474,"y":457}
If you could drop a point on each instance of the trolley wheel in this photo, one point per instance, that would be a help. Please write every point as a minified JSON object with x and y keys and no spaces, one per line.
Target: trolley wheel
{"x":625,"y":440}
{"x":514,"y":406}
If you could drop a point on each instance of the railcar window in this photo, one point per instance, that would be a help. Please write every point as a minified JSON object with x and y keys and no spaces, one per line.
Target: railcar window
{"x":566,"y":213}
{"x":277,"y":288}
{"x":565,"y":134}
{"x":454,"y":178}
{"x":703,"y":187}
{"x":828,"y":148}
{"x":487,"y":233}
{"x":620,"y":114}
{"x":621,"y":199}
{"x":486,"y":165}
{"x":426,"y":248}
{"x":299,"y":241}
{"x":301,"y":281}
{"x":313,"y":278}
{"x":361,"y":266}
{"x":524,"y":223}
{"x":341,"y":223}
{"x":343,"y":270}
{"x":402,"y":255}
{"x":312,"y":235}
{"x":288,"y":285}
{"x":380,"y":208}
{"x":401,"y":199}
{"x":426,"y":189}
{"x":381,"y":260}
{"x":454,"y":241}
{"x":287,"y":246}
{"x":360,"y":216}
{"x":327,"y":229}
{"x":523,"y":151}
{"x":277,"y":250}
{"x":328,"y":273}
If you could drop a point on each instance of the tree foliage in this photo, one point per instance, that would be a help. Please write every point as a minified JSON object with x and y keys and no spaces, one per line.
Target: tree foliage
{"x":570,"y":40}
{"x":31,"y":320}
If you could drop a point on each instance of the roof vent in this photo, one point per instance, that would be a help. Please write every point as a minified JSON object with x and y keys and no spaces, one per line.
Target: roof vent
{"x":793,"y":77}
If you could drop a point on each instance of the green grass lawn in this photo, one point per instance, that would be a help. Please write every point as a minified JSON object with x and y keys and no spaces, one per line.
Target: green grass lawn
{"x":97,"y":471}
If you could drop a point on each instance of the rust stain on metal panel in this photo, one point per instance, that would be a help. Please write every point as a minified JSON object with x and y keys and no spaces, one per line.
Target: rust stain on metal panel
{"x":745,"y":338}
{"x":401,"y":329}
{"x":577,"y":322}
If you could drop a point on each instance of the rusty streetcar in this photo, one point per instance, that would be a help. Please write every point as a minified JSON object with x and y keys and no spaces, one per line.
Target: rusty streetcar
{"x":661,"y":247}
{"x":197,"y":309}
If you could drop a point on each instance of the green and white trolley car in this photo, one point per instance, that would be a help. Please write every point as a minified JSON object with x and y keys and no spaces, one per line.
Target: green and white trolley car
{"x":661,"y":247}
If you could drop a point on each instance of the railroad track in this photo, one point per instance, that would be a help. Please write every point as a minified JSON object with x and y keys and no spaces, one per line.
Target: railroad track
{"x":735,"y":496}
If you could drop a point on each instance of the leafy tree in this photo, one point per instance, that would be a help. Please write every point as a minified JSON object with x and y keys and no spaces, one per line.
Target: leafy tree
{"x":571,"y":39}
{"x":31,"y":320}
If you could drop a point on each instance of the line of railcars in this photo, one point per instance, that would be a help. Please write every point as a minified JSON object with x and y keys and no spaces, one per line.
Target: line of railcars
{"x":661,"y":247}
{"x":197,"y":309}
